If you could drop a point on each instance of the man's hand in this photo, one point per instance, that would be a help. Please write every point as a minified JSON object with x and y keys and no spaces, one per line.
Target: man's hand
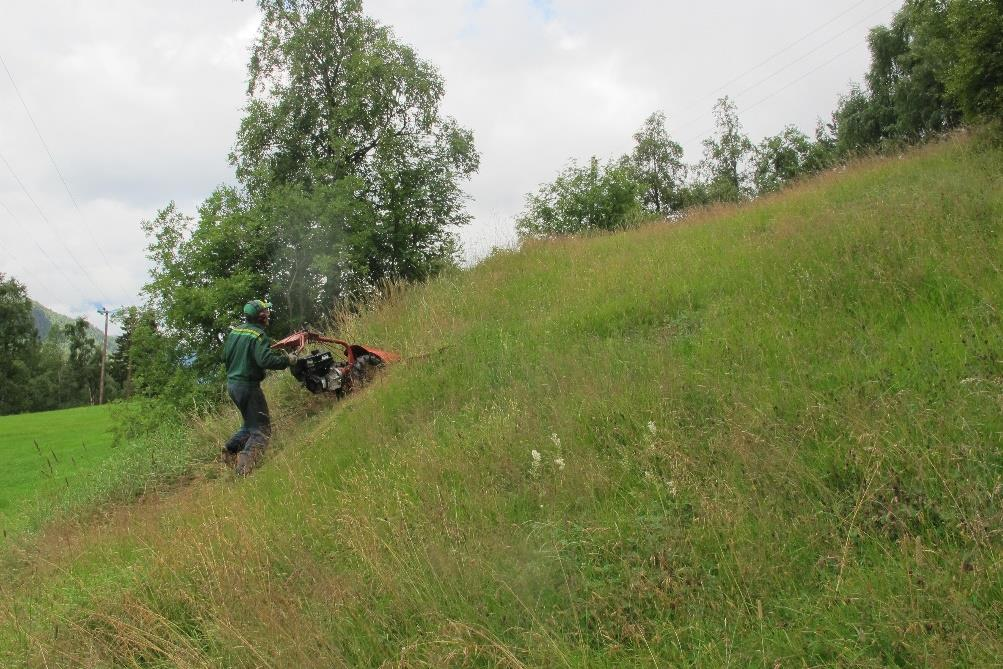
{"x":293,"y":359}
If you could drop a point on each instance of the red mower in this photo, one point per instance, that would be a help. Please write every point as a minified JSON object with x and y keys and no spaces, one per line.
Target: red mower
{"x":321,"y":371}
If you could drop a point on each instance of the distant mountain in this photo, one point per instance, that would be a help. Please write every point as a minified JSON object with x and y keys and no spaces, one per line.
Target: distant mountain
{"x":46,"y":319}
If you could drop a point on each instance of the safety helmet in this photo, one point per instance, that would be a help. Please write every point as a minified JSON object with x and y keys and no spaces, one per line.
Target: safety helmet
{"x":254,"y":308}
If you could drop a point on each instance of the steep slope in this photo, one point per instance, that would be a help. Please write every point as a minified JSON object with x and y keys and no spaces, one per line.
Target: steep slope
{"x":768,"y":436}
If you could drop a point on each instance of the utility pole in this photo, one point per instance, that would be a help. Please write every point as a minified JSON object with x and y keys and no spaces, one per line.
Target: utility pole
{"x":104,"y":353}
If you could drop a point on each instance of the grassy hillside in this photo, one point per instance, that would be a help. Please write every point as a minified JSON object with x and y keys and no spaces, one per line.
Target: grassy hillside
{"x":769,"y":436}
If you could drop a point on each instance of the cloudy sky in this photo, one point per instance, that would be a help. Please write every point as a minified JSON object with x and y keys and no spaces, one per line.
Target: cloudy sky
{"x":122,"y":106}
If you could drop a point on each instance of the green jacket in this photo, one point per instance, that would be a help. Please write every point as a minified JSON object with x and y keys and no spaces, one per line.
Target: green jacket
{"x":247,"y":353}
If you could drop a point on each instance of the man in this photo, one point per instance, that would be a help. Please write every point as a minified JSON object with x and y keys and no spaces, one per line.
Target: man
{"x":247,"y":353}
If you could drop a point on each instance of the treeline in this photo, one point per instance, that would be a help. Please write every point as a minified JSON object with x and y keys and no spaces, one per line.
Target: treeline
{"x":939,"y":65}
{"x":62,"y":370}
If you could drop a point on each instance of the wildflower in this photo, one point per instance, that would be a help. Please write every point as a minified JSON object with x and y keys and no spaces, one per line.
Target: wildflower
{"x":534,"y":468}
{"x":559,"y":462}
{"x":557,"y":440}
{"x":651,"y":427}
{"x":672,"y":488}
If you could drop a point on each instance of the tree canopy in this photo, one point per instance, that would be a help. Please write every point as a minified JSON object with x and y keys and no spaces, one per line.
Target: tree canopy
{"x":726,"y":153}
{"x":658,"y":165}
{"x":581,"y":198}
{"x":349,"y":177}
{"x":18,"y":343}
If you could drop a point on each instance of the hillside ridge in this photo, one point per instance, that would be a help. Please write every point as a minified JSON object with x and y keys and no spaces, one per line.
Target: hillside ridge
{"x":46,"y":318}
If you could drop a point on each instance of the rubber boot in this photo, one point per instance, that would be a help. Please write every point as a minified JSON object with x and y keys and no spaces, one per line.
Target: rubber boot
{"x":227,"y":458}
{"x":247,"y":460}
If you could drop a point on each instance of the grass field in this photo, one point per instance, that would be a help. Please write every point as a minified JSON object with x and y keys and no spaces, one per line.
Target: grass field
{"x":43,"y":454}
{"x":65,"y":467}
{"x":768,"y":436}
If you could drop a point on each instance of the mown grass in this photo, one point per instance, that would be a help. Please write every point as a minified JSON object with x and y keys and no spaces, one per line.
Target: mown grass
{"x":68,"y":466}
{"x":768,"y":436}
{"x":43,"y":452}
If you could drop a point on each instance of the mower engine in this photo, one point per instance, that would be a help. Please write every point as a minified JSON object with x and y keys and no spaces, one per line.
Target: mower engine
{"x":322,"y":372}
{"x":318,"y":373}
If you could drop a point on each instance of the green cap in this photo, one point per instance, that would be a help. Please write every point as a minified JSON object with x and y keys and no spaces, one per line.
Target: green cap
{"x":255,"y":307}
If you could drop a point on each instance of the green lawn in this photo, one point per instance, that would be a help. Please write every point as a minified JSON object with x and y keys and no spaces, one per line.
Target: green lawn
{"x":44,"y":454}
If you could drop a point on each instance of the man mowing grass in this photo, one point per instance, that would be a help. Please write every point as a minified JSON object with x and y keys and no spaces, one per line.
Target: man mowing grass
{"x":247,"y":353}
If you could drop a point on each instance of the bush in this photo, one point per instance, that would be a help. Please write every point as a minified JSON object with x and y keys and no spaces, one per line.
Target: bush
{"x":597,"y":197}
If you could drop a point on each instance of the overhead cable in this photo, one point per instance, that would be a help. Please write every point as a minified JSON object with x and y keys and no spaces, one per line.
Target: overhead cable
{"x":52,"y":159}
{"x":19,"y":270}
{"x":702,"y":116}
{"x":787,"y":85}
{"x":49,"y":223}
{"x":787,"y":48}
{"x":803,"y":76}
{"x":45,"y":254}
{"x":816,"y":49}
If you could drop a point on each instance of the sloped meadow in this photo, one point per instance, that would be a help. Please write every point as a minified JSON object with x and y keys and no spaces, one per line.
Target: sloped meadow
{"x":766,"y":435}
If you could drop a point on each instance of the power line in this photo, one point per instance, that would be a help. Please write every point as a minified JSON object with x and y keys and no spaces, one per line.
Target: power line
{"x":18,"y":269}
{"x":702,"y":117}
{"x":817,"y":48}
{"x":786,"y":48}
{"x":41,"y":250}
{"x":788,"y":84}
{"x":779,"y":90}
{"x":803,"y":76}
{"x":52,"y":159}
{"x":49,"y":223}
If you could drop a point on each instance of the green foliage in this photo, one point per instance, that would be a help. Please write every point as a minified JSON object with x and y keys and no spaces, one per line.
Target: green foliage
{"x":47,"y":387}
{"x":161,"y":375}
{"x":909,"y":62}
{"x":975,"y":77}
{"x":202,"y":276}
{"x":780,"y":159}
{"x":82,"y":372}
{"x":119,"y":363}
{"x":149,"y":366}
{"x":658,"y":166}
{"x":726,"y":155}
{"x":596,"y":197}
{"x":789,"y":155}
{"x":938,"y":61}
{"x":345,"y":116}
{"x":62,"y":370}
{"x":350,"y":179}
{"x":17,"y":346}
{"x":859,"y":122}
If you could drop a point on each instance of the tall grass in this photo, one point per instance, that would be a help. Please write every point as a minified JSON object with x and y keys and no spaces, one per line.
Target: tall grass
{"x":767,"y":436}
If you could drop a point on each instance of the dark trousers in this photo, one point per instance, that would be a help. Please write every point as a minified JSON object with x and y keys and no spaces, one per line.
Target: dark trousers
{"x":257,"y":427}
